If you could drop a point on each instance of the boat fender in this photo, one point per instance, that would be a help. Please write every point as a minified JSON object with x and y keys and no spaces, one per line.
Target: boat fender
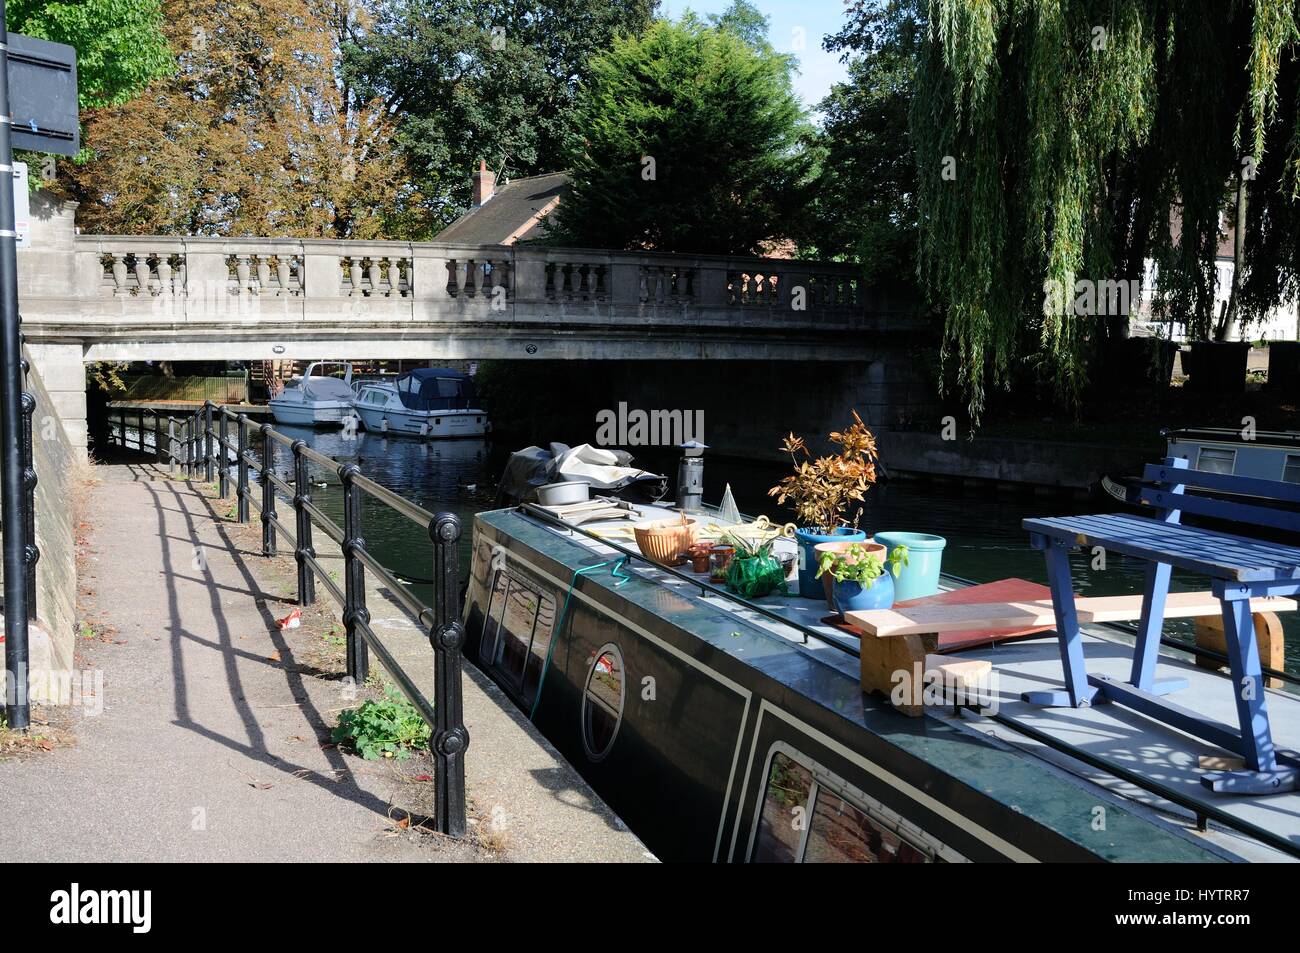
{"x":383,"y":424}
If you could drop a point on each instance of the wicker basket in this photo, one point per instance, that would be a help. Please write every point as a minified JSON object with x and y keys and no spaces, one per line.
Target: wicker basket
{"x":666,"y":541}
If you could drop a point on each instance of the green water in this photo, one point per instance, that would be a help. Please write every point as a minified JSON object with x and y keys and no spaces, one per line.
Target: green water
{"x":983,"y":528}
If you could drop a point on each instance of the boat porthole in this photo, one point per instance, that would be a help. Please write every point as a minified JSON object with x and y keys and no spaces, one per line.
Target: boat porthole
{"x":602,"y":702}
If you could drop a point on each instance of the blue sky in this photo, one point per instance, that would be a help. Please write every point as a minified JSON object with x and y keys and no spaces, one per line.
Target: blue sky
{"x":817,"y":68}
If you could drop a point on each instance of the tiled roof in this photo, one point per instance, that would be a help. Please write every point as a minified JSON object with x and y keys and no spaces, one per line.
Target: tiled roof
{"x":513,"y":214}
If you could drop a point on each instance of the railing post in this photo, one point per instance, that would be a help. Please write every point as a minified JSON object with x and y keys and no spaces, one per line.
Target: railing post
{"x":354,"y":576}
{"x":207,"y":441}
{"x":186,"y":446}
{"x":268,"y":492}
{"x":223,"y":450}
{"x":241,"y":486}
{"x":450,"y":739}
{"x":171,"y":444}
{"x":157,"y":439}
{"x":139,"y":432}
{"x":30,"y":552}
{"x":302,"y":525}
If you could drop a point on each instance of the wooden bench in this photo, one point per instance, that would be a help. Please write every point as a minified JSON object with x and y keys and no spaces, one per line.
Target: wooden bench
{"x":895,"y":640}
{"x":1241,"y":569}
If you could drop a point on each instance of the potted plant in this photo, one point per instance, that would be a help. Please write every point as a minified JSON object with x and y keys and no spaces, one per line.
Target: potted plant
{"x":755,"y":571}
{"x":840,"y":546}
{"x":823,"y":491}
{"x":861,"y":581}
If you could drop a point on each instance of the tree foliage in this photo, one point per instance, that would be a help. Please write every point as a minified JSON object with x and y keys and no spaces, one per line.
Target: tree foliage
{"x":686,"y":139}
{"x":1084,"y":137}
{"x":120,"y":44}
{"x":255,"y":134}
{"x":482,"y":79}
{"x":865,"y":203}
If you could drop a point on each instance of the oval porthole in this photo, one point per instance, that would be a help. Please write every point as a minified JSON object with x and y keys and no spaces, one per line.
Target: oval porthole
{"x":602,"y":702}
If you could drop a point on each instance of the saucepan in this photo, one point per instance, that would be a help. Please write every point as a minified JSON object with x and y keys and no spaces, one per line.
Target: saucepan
{"x":560,"y":494}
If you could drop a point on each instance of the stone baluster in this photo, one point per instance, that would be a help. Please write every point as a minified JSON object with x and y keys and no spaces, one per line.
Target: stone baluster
{"x":263,"y":274}
{"x":501,"y":276}
{"x":142,"y":273}
{"x":282,"y":274}
{"x":355,"y":273}
{"x":465,"y":277}
{"x":165,"y":273}
{"x":180,"y":287}
{"x":375,"y":274}
{"x":243,"y":271}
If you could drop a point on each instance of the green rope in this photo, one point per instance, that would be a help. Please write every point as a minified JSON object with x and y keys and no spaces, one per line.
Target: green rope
{"x":617,"y":573}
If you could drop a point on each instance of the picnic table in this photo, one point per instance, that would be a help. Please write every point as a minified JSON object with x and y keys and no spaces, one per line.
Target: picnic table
{"x":1240,"y":569}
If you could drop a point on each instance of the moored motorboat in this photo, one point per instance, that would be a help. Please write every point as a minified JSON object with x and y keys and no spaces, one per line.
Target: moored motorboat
{"x":315,"y":400}
{"x":426,"y":402}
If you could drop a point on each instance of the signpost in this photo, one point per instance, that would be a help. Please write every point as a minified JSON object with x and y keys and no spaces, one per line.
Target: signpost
{"x":38,"y":110}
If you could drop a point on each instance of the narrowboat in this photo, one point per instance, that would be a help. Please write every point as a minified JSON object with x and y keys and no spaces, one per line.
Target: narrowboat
{"x":426,"y":402}
{"x":1264,"y":454}
{"x":732,"y":730}
{"x":315,"y":400}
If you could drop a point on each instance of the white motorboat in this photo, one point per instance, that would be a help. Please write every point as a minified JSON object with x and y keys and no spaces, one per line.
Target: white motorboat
{"x":315,"y":400}
{"x":425,"y":402}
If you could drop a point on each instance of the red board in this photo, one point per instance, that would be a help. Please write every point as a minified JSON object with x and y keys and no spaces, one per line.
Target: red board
{"x":1004,"y":590}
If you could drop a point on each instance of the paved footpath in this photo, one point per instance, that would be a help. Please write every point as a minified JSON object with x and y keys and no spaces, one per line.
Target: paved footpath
{"x":209,"y":747}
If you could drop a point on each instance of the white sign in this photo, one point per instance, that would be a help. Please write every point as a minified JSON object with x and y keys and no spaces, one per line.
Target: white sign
{"x":22,"y":208}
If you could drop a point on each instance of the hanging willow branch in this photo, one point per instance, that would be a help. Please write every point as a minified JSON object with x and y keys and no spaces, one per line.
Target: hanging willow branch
{"x":1061,"y":144}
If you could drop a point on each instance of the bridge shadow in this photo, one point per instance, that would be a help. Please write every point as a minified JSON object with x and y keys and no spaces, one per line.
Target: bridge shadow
{"x":339,"y":780}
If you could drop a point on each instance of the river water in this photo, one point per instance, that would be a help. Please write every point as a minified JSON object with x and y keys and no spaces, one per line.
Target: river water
{"x":983,"y":529}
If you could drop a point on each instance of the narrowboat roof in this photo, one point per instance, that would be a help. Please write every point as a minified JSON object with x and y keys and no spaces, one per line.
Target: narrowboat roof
{"x":1051,"y":764}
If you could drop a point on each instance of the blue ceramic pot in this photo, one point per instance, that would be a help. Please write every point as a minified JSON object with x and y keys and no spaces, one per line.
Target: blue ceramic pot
{"x":920,"y":577}
{"x":810,"y":587}
{"x":853,"y":596}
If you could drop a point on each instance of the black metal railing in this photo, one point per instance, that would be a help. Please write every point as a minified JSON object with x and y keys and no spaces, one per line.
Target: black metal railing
{"x":198,"y":449}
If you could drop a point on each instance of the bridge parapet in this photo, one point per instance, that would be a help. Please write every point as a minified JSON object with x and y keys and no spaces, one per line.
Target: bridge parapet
{"x":138,"y":278}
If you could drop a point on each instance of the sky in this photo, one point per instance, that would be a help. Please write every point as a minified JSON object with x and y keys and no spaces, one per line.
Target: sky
{"x":789,"y":20}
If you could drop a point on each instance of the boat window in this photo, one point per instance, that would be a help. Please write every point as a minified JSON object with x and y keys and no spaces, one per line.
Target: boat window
{"x":492,"y":624}
{"x":805,"y":820}
{"x":1216,"y":460}
{"x":1291,"y":469}
{"x":785,"y":812}
{"x":602,"y":702}
{"x":517,"y":633}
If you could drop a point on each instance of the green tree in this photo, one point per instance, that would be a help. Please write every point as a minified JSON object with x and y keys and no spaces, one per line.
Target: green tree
{"x":482,"y":79}
{"x":687,"y":140}
{"x":120,"y":43}
{"x":1059,"y":142}
{"x":865,"y":205}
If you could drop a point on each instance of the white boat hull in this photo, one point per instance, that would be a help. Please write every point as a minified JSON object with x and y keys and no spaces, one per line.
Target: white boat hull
{"x":311,"y":413}
{"x":432,"y":424}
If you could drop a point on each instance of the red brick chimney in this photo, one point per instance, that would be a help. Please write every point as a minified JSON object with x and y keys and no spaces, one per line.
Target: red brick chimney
{"x":485,"y":183}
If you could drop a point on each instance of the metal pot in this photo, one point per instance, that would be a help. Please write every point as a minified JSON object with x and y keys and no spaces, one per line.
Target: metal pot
{"x":559,"y":494}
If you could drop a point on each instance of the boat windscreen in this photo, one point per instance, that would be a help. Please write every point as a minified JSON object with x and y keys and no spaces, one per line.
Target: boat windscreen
{"x":436,"y":393}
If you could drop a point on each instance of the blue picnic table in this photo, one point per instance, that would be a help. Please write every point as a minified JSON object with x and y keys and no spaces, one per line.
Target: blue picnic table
{"x":1240,"y":568}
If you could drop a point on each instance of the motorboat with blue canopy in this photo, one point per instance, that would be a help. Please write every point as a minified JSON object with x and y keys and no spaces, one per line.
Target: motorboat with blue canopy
{"x":425,"y":402}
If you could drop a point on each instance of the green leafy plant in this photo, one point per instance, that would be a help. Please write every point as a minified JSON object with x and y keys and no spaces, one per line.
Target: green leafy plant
{"x":386,"y":728}
{"x":856,"y":564}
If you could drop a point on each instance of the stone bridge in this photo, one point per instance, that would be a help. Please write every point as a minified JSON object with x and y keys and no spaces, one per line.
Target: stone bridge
{"x":121,"y":298}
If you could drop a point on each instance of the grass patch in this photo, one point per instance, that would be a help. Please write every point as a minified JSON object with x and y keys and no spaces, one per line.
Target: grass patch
{"x":389,"y":727}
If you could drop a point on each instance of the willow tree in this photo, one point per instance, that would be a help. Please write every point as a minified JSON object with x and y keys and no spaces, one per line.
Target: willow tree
{"x":1061,"y":142}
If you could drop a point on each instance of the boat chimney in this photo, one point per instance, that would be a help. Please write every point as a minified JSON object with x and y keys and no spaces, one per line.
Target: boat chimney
{"x":690,"y":476}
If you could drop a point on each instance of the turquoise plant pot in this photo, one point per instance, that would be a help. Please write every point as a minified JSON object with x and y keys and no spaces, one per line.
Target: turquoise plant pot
{"x":920,"y":577}
{"x":852,"y":596}
{"x":810,"y":587}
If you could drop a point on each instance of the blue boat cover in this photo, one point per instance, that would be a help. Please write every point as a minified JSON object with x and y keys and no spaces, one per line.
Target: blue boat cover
{"x":436,"y":388}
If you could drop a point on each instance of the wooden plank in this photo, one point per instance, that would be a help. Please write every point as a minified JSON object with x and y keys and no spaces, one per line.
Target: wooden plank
{"x":1178,"y":605}
{"x":956,"y":617}
{"x":936,"y":619}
